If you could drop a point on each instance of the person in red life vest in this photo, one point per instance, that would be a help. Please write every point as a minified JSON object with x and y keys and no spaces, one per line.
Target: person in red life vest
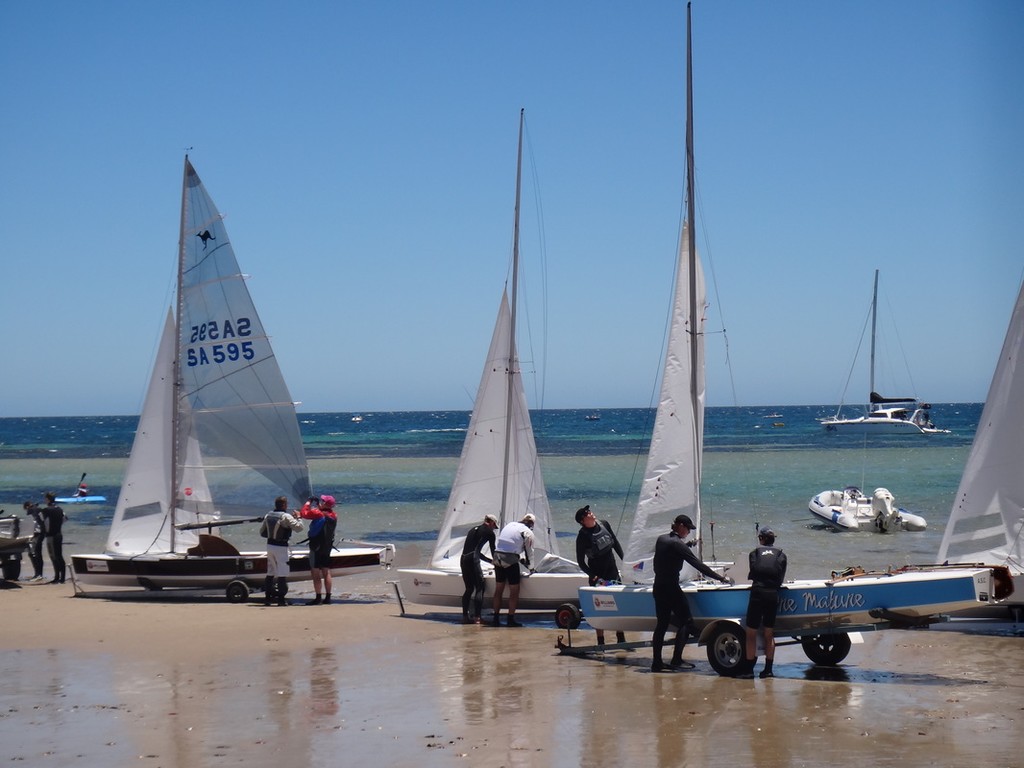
{"x":321,"y":543}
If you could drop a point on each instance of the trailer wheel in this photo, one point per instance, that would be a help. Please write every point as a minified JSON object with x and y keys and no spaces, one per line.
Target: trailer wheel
{"x":237,"y":592}
{"x":568,"y":616}
{"x":826,"y":650}
{"x":727,"y":648}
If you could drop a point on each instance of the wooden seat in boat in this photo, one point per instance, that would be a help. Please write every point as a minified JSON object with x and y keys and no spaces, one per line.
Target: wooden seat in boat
{"x":213,"y":546}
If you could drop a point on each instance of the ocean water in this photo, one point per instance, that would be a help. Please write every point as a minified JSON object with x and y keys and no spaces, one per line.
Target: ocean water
{"x":392,"y":471}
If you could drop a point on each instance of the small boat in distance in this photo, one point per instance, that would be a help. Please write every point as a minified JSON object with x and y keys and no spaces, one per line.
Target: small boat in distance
{"x":82,"y":495}
{"x":851,"y":510}
{"x":885,"y":415}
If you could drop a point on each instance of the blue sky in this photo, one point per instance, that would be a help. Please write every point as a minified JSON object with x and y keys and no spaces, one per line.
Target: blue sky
{"x":364,"y":155}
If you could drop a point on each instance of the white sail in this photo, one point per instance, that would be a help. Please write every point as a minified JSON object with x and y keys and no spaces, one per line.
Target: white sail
{"x":478,"y":483}
{"x":231,"y":443}
{"x":671,"y":484}
{"x":987,"y":521}
{"x":234,"y":403}
{"x":141,"y":519}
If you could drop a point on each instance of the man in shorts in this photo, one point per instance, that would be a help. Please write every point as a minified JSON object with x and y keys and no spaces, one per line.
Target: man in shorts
{"x":767,"y":572}
{"x":515,"y":543}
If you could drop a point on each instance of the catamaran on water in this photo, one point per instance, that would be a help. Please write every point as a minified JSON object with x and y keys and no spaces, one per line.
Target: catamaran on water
{"x":498,"y":473}
{"x":217,"y":440}
{"x":820,"y":614}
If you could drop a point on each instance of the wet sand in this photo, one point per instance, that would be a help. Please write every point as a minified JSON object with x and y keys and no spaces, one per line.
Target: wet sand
{"x":200,"y":682}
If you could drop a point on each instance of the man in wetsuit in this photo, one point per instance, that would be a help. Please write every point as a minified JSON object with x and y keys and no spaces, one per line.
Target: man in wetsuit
{"x":596,"y":547}
{"x":671,"y":553}
{"x":277,"y":528}
{"x":472,"y":574}
{"x":35,"y":546}
{"x":53,"y":521}
{"x":767,"y":572}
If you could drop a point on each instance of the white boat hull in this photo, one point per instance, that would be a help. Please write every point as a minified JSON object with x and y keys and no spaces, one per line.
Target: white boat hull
{"x":886,"y":421}
{"x":841,"y":511}
{"x":217,"y":571}
{"x":810,"y":606}
{"x":539,"y":591}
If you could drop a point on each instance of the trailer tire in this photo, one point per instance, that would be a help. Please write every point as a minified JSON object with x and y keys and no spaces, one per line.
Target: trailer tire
{"x":237,"y":592}
{"x":727,"y":648}
{"x":568,"y":616}
{"x":826,"y":650}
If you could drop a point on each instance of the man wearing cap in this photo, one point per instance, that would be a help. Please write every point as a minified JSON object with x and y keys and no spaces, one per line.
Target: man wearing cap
{"x":321,"y":542}
{"x":596,"y":547}
{"x":767,"y":572}
{"x":472,"y":574}
{"x":671,"y":553}
{"x":515,"y":542}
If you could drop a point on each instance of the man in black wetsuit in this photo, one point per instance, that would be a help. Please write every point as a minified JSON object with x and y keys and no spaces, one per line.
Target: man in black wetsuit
{"x":596,"y":547}
{"x":671,"y":553}
{"x":767,"y":572}
{"x":472,"y":573}
{"x":53,"y":521}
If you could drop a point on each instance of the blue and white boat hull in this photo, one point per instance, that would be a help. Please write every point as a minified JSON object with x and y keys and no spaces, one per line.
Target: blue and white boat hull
{"x":810,"y":606}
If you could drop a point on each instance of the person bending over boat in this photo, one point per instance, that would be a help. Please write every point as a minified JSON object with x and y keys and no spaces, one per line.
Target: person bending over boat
{"x":53,"y":522}
{"x":767,"y":572}
{"x":277,"y":528}
{"x":321,"y":543}
{"x":596,"y":547}
{"x":515,"y":542}
{"x":472,"y":574}
{"x":671,"y":553}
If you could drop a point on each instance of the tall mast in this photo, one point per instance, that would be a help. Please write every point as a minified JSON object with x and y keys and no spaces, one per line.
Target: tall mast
{"x":512,"y":361}
{"x":874,"y":316}
{"x":176,"y":365}
{"x":692,"y":264}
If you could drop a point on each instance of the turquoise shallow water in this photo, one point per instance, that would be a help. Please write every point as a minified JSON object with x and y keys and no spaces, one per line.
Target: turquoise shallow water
{"x":392,"y":473}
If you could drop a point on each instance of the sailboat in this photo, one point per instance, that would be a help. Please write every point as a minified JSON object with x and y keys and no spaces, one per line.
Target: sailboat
{"x":820,"y":613}
{"x":885,"y":415}
{"x":498,"y":473}
{"x":986,"y":524}
{"x":217,"y":441}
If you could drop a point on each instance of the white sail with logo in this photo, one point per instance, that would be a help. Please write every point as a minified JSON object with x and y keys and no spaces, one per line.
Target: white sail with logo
{"x":986,"y":524}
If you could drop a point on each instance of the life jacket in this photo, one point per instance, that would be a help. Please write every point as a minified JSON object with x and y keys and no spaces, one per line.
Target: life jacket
{"x":272,"y":529}
{"x":601,"y":540}
{"x":768,"y":569}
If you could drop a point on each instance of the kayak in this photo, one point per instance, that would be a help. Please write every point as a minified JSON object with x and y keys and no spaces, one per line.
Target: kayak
{"x":80,"y":499}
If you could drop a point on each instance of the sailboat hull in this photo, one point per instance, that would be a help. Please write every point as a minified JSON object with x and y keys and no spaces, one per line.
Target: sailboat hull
{"x":540,"y":591}
{"x":214,"y":571}
{"x":812,"y":606}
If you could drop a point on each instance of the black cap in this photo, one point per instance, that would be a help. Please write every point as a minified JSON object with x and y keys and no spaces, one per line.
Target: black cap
{"x":684,"y":520}
{"x":581,"y":513}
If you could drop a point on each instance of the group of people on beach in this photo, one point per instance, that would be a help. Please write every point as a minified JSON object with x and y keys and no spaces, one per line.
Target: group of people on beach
{"x":48,"y":522}
{"x":596,"y":548}
{"x":277,"y":528}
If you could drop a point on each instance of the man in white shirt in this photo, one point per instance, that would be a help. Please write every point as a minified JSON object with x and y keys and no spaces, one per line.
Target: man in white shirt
{"x":515,"y":543}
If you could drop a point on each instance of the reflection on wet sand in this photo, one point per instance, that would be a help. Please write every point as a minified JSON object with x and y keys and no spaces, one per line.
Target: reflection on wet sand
{"x":181,"y":685}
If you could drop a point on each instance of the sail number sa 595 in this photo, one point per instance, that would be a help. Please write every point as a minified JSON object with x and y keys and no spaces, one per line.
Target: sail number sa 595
{"x":220,"y":342}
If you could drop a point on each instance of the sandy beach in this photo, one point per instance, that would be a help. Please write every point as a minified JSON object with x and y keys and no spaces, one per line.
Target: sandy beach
{"x":183,"y":682}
